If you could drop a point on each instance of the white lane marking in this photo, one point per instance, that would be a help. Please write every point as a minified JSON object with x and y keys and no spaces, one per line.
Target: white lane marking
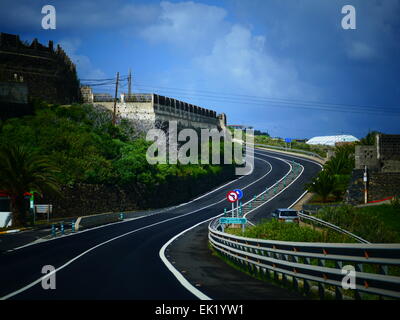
{"x":275,"y":194}
{"x":41,"y":240}
{"x":278,"y":192}
{"x":298,"y":199}
{"x":10,"y":295}
{"x":182,"y":280}
{"x":290,"y":156}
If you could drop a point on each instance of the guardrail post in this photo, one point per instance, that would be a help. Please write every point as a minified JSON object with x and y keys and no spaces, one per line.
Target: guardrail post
{"x":225,"y":212}
{"x":357,"y":295}
{"x":383,"y":269}
{"x":62,"y":228}
{"x":306,"y":286}
{"x":295,"y":284}
{"x":359,"y":267}
{"x":321,"y":290}
{"x":284,"y":279}
{"x":121,"y":216}
{"x":53,"y":230}
{"x":73,"y":226}
{"x":338,"y":293}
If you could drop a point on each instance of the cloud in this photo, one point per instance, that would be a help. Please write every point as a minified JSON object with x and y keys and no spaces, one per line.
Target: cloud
{"x":359,"y":50}
{"x":188,"y":25}
{"x":223,"y":52}
{"x":241,"y":59}
{"x":85,"y":68}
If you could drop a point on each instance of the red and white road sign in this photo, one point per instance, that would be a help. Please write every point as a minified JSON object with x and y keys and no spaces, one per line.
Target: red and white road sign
{"x":232,"y":196}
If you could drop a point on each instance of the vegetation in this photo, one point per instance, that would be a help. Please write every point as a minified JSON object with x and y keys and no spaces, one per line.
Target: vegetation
{"x":276,"y":230}
{"x":380,"y":224}
{"x":266,"y":139}
{"x":82,"y":143}
{"x":369,"y":139}
{"x":21,"y":171}
{"x":334,"y":179}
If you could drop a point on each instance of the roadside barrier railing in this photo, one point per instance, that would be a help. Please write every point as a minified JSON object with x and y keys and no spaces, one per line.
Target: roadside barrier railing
{"x":318,"y":265}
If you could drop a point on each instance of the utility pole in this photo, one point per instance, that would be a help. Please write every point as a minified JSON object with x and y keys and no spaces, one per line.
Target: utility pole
{"x":115,"y":100}
{"x":365,"y":184}
{"x":129,"y":82}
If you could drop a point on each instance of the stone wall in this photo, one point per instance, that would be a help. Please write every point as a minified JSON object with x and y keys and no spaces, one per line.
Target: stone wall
{"x":381,"y":185}
{"x":49,"y":73}
{"x":366,"y":156}
{"x":14,"y":100}
{"x":355,"y":190}
{"x":87,"y":199}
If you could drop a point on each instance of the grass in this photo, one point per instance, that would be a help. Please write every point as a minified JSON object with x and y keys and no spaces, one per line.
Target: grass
{"x":275,"y":230}
{"x":377,"y":224}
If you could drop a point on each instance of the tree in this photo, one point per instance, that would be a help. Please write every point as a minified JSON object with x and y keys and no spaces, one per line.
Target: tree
{"x":342,"y":163}
{"x":22,"y":170}
{"x":369,"y":139}
{"x":323,"y":185}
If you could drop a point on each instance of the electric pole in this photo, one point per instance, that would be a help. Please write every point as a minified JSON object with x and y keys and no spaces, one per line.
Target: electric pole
{"x":115,"y":100}
{"x":129,"y":83}
{"x":365,"y":178}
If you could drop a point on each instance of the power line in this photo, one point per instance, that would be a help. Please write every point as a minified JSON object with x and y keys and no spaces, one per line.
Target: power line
{"x":276,"y":100}
{"x":249,"y":99}
{"x":274,"y":103}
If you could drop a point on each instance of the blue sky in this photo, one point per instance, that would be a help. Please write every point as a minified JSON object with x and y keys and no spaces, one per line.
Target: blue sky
{"x":277,"y":65}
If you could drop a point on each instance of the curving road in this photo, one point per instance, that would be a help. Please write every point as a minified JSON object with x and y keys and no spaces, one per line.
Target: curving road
{"x":122,"y":261}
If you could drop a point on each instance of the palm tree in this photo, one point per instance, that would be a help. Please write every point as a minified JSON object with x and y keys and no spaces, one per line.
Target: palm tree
{"x":22,"y":170}
{"x":342,"y":162}
{"x":323,"y":185}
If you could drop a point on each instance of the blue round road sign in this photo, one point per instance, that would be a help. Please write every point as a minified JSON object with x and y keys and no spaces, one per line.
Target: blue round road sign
{"x":239,"y":193}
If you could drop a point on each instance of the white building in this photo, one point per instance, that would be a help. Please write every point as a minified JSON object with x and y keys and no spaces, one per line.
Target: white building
{"x":331,"y":140}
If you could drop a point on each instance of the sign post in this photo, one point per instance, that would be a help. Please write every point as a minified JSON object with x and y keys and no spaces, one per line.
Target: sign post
{"x":232,"y":197}
{"x":32,"y":206}
{"x":240,"y":196}
{"x":288,"y":141}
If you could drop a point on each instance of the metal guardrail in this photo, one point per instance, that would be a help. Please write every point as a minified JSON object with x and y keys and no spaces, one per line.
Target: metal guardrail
{"x":313,"y":154}
{"x":314,"y":263}
{"x":331,"y":226}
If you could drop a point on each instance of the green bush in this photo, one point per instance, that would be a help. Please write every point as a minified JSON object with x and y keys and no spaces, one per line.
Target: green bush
{"x":83,"y":143}
{"x":276,"y":230}
{"x":378,"y":224}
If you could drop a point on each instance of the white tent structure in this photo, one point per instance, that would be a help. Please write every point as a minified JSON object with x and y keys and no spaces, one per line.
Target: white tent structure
{"x":331,"y":140}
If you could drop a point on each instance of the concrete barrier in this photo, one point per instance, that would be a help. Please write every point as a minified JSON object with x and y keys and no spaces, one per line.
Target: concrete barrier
{"x":96,"y":219}
{"x":5,"y":219}
{"x":110,"y":217}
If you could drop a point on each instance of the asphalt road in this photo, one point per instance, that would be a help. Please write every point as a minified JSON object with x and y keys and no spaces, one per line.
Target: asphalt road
{"x":121,"y":261}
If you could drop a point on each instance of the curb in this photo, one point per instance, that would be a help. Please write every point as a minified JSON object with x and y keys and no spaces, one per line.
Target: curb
{"x":13,"y":231}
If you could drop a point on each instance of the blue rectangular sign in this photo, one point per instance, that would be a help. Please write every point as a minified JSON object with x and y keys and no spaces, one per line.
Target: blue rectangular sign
{"x":288,"y":140}
{"x":233,"y":220}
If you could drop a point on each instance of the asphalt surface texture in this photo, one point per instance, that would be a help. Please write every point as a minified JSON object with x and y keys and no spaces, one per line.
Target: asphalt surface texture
{"x":122,"y":261}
